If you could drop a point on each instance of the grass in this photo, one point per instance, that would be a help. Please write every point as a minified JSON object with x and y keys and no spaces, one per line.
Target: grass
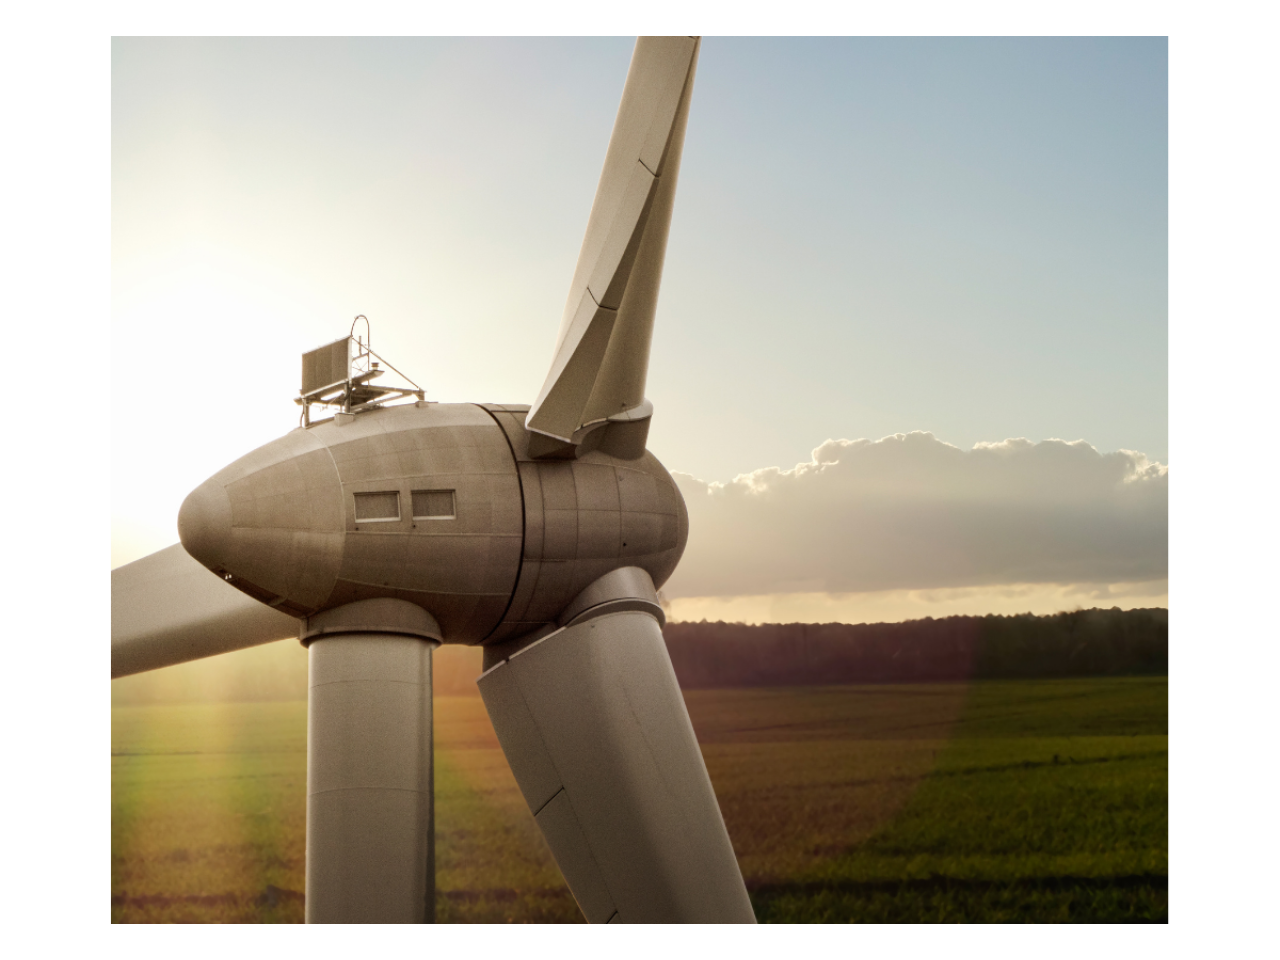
{"x":208,"y":813}
{"x":1031,"y":812}
{"x":995,"y":801}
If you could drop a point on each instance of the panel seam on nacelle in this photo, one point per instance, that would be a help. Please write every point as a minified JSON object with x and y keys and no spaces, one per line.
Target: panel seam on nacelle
{"x":524,"y":524}
{"x":337,"y":472}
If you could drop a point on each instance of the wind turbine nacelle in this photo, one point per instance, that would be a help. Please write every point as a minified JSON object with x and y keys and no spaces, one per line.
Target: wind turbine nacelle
{"x":440,"y":505}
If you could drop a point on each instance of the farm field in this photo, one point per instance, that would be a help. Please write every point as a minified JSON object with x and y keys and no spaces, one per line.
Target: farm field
{"x":989,"y":801}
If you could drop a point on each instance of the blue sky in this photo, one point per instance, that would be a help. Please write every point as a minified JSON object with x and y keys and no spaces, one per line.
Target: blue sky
{"x":961,"y":236}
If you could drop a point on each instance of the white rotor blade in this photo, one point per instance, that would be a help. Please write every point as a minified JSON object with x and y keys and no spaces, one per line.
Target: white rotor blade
{"x":167,"y":609}
{"x":597,"y":735}
{"x":602,"y":352}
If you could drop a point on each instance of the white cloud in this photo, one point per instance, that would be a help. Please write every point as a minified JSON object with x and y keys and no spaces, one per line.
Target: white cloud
{"x":910,"y":512}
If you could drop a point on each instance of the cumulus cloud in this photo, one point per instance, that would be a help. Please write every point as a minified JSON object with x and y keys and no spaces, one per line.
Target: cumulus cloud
{"x":912,"y":512}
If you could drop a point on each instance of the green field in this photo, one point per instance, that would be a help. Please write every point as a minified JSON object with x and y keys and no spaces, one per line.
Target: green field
{"x":990,"y":801}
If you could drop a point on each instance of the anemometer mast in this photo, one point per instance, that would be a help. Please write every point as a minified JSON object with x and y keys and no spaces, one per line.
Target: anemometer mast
{"x":339,"y":374}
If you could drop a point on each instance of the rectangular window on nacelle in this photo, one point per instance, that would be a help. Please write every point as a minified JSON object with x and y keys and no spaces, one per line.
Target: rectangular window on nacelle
{"x":377,"y":506}
{"x":433,"y":505}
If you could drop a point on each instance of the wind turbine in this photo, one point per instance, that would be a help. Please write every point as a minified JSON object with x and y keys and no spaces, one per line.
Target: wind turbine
{"x":540,"y":532}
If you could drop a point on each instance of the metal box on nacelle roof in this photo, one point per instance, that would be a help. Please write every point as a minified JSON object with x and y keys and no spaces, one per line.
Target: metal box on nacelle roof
{"x":327,"y":365}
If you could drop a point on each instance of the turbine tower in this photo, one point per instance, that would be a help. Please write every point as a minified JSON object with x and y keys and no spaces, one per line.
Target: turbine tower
{"x":541,"y":533}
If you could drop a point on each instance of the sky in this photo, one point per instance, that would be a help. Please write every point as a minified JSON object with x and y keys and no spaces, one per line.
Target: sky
{"x":922,"y":249}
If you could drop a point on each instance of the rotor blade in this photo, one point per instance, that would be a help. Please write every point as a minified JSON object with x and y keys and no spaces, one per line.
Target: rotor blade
{"x":594,"y":727}
{"x":167,"y":609}
{"x":602,"y":352}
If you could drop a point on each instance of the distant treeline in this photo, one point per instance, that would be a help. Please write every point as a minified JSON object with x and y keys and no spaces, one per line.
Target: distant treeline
{"x":1083,"y":643}
{"x":1086,"y":643}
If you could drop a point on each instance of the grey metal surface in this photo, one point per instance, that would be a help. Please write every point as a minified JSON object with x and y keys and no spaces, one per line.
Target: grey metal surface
{"x":273,"y":520}
{"x":522,"y":536}
{"x":602,"y":350}
{"x":592,"y":721}
{"x":167,"y":609}
{"x":283,"y":520}
{"x":380,"y":615}
{"x":370,"y":847}
{"x":627,"y":588}
{"x":584,"y":518}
